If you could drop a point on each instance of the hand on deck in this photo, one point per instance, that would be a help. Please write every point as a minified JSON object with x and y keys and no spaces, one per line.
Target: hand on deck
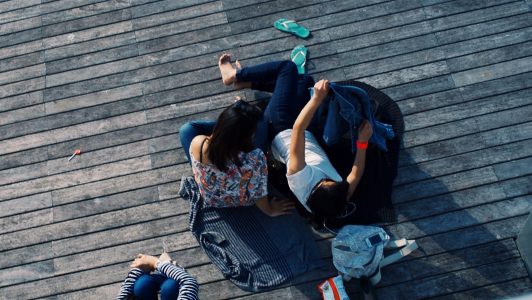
{"x":281,"y":207}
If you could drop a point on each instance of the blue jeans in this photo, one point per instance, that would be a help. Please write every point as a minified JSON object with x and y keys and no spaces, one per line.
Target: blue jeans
{"x":147,"y":286}
{"x":290,"y":93}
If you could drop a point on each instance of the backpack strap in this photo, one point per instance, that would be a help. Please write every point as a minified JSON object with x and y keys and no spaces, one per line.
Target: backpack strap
{"x":408,"y":247}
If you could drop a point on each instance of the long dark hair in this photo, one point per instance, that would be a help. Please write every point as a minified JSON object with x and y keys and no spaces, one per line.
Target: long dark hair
{"x":233,"y":133}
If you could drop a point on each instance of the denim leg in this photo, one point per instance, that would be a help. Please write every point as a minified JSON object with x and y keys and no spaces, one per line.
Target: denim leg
{"x":284,"y":105}
{"x":147,"y":286}
{"x":192,"y":129}
{"x":169,"y":289}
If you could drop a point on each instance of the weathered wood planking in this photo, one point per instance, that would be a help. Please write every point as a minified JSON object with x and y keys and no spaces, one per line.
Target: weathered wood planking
{"x":118,"y":78}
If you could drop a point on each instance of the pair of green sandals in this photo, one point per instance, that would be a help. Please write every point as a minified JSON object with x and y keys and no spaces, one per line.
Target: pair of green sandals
{"x":299,"y":53}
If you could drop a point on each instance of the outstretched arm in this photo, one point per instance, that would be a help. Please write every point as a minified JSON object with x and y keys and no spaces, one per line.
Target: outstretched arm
{"x":297,"y":146}
{"x":364,"y":133}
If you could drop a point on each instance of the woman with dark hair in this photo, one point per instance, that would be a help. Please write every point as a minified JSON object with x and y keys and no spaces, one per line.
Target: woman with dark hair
{"x":228,"y":167}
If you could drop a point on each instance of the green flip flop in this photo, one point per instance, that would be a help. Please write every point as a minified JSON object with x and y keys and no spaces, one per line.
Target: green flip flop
{"x":291,"y":27}
{"x":299,"y":57}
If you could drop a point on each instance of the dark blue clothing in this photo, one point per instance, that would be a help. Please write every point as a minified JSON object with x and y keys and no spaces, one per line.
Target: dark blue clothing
{"x":343,"y":110}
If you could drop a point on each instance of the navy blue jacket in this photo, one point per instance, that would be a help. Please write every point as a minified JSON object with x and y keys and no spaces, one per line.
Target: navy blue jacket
{"x":343,"y":110}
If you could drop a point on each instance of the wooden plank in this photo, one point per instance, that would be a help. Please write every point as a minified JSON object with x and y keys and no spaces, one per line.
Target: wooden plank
{"x":86,"y":35}
{"x":183,"y":26}
{"x":450,"y":202}
{"x":57,"y":16}
{"x":499,"y":86}
{"x":121,"y":253}
{"x":513,"y":168}
{"x":21,"y":61}
{"x":71,"y":118}
{"x":31,"y":203}
{"x":118,"y":184}
{"x":463,"y":218}
{"x":487,"y":43}
{"x":22,"y":173}
{"x":25,"y":221}
{"x":170,"y":16}
{"x":454,"y":7}
{"x":91,"y":72}
{"x":26,"y":255}
{"x":331,"y":7}
{"x":420,"y":88}
{"x":22,"y":87}
{"x":504,"y":290}
{"x":384,"y":65}
{"x":406,"y":75}
{"x":21,"y":114}
{"x":385,"y":22}
{"x":491,"y":72}
{"x":20,"y":25}
{"x":99,"y":157}
{"x":475,"y":235}
{"x":75,"y":178}
{"x":456,"y":281}
{"x":86,"y":23}
{"x":22,"y":13}
{"x":468,"y":109}
{"x":490,"y":57}
{"x":50,"y":6}
{"x":428,"y":102}
{"x":93,"y":99}
{"x":442,"y":185}
{"x":122,"y":234}
{"x":14,"y":5}
{"x":478,"y":16}
{"x":90,"y":59}
{"x":21,"y":37}
{"x":463,"y":162}
{"x":502,"y":135}
{"x":25,"y":273}
{"x":90,"y":46}
{"x":79,"y":229}
{"x":483,"y":29}
{"x":22,"y":74}
{"x":377,"y":38}
{"x":105,"y":204}
{"x":518,"y":187}
{"x":162,"y":6}
{"x":440,"y":149}
{"x":440,"y":132}
{"x":73,"y":132}
{"x":510,"y":117}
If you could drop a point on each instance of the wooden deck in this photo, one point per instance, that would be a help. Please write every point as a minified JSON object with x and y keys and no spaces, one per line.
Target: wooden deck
{"x":118,"y":78}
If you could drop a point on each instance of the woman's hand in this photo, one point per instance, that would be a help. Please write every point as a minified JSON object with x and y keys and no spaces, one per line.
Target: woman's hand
{"x":364,"y":131}
{"x":321,"y":89}
{"x":281,"y":207}
{"x":146,"y":263}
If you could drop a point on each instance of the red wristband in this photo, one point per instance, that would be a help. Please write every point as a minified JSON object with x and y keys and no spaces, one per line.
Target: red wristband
{"x":362,"y":145}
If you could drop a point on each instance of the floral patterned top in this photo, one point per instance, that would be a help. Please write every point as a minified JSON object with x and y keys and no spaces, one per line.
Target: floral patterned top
{"x":236,"y":187}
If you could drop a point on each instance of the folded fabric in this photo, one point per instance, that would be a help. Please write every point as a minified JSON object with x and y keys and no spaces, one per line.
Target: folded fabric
{"x":343,"y":110}
{"x":256,"y":252}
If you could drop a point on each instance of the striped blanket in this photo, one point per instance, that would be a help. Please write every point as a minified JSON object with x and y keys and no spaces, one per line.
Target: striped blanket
{"x":254,"y":251}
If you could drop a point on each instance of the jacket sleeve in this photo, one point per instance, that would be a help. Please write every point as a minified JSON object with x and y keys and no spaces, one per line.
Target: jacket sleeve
{"x":127,"y":287}
{"x":188,"y":286}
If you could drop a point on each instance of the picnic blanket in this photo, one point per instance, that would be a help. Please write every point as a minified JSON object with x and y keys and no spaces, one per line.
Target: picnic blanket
{"x":256,"y":252}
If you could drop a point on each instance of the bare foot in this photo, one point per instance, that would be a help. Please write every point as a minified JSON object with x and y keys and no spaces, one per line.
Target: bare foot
{"x":241,"y":85}
{"x":227,"y":70}
{"x":238,"y":98}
